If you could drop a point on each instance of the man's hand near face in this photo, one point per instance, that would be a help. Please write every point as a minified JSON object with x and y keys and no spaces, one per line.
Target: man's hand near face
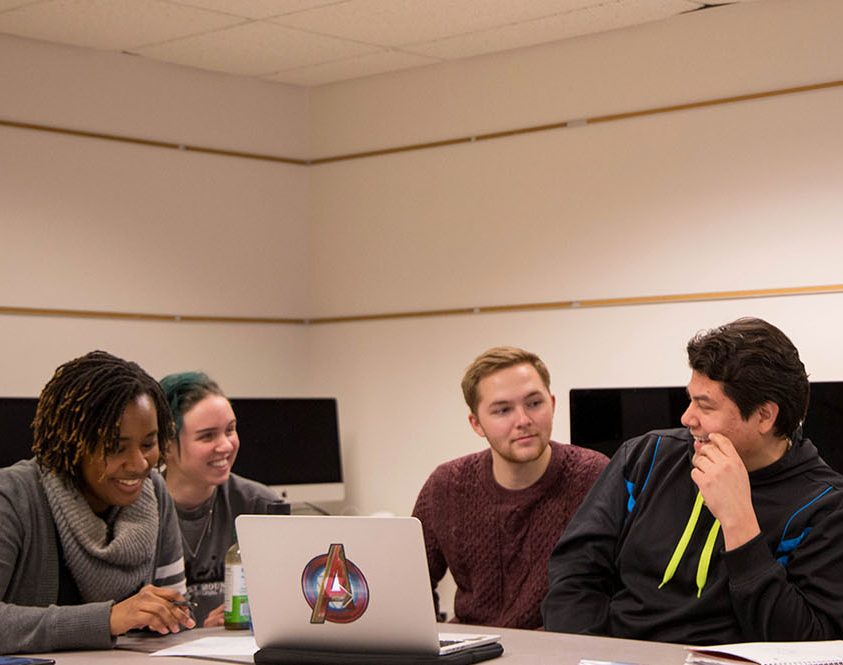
{"x":723,"y":481}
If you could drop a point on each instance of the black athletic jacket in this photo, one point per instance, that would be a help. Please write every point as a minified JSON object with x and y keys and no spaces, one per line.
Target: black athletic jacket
{"x":785,"y":584}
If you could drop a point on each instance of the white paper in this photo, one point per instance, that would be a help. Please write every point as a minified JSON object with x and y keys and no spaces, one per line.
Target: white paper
{"x":239,"y":649}
{"x":829,"y":652}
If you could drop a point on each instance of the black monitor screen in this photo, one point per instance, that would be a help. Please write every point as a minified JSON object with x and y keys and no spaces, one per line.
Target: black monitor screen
{"x":603,"y":418}
{"x":283,"y":441}
{"x":288,"y":441}
{"x":16,"y":416}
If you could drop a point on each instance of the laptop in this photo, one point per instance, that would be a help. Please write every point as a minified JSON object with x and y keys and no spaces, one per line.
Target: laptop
{"x":342,"y":584}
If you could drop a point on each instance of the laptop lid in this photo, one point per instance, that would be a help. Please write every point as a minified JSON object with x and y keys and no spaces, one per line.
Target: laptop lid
{"x":338,"y":583}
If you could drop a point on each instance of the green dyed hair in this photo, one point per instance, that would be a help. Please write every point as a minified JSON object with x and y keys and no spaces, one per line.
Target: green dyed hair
{"x":183,"y":391}
{"x":80,"y":408}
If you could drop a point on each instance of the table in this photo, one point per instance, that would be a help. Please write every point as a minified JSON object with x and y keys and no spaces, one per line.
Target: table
{"x":521,"y":647}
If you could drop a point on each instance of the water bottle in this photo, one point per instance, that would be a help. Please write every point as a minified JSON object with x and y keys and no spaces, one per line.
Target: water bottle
{"x":236,"y":614}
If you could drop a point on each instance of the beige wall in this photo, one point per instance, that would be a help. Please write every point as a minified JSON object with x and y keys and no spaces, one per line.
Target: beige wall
{"x":733,"y":197}
{"x":713,"y":53}
{"x":123,"y":94}
{"x":99,"y":225}
{"x":741,"y":196}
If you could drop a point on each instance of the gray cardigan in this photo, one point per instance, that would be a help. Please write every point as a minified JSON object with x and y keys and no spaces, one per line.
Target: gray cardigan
{"x":29,"y":570}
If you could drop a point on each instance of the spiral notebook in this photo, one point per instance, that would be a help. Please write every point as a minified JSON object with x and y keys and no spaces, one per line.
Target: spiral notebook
{"x":829,"y":652}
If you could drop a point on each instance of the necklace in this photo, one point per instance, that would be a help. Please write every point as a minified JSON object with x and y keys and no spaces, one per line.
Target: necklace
{"x":206,"y":529}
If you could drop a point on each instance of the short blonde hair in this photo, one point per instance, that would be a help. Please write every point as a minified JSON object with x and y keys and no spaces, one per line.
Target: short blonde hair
{"x":493,"y":360}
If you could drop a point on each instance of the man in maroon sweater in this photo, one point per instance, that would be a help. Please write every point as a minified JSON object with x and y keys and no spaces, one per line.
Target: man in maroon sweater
{"x":493,"y":517}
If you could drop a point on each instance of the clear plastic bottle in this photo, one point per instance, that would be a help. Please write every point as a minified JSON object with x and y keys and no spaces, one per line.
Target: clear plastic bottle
{"x":236,"y":612}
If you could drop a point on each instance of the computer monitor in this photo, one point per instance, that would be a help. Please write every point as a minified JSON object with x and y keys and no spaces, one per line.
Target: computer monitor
{"x":290,"y":444}
{"x":16,"y":416}
{"x":603,"y":418}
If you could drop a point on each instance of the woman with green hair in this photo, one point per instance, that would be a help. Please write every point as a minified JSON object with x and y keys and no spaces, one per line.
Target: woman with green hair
{"x":207,"y":494}
{"x":89,"y":543}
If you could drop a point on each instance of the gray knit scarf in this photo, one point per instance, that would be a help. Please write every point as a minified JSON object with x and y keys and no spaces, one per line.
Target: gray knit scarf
{"x":103,"y":568}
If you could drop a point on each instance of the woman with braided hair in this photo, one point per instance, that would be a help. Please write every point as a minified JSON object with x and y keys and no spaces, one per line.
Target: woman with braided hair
{"x":89,"y":540}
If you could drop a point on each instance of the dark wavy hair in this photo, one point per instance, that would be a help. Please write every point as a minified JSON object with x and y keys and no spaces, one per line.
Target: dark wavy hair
{"x":80,"y":408}
{"x":756,"y":363}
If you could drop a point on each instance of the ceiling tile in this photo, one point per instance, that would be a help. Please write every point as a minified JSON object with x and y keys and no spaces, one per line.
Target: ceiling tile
{"x":255,"y":8}
{"x":602,"y":17}
{"x":397,"y":22}
{"x":309,"y":42}
{"x":254,"y":49}
{"x":351,"y":68}
{"x":109,"y":24}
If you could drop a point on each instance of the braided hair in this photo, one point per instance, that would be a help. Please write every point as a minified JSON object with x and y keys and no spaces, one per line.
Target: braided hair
{"x":80,"y":409}
{"x":185,"y":390}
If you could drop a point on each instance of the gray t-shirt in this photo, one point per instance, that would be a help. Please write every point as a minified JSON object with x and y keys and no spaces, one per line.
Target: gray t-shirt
{"x":208,"y":532}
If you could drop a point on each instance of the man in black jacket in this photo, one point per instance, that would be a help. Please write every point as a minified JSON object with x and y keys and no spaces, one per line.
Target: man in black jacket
{"x":728,"y":530}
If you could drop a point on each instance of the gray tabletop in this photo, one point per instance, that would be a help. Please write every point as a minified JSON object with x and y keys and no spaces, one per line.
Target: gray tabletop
{"x":520,"y":647}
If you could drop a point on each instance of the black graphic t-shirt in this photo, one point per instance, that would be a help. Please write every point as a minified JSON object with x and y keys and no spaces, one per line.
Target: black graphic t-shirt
{"x":208,"y":532}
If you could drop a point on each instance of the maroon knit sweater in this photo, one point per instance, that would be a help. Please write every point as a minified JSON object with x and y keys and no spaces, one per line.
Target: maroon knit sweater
{"x":497,"y":541}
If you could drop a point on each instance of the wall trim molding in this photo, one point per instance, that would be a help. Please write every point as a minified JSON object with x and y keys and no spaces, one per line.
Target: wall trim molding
{"x":508,"y":133}
{"x":585,"y":303}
